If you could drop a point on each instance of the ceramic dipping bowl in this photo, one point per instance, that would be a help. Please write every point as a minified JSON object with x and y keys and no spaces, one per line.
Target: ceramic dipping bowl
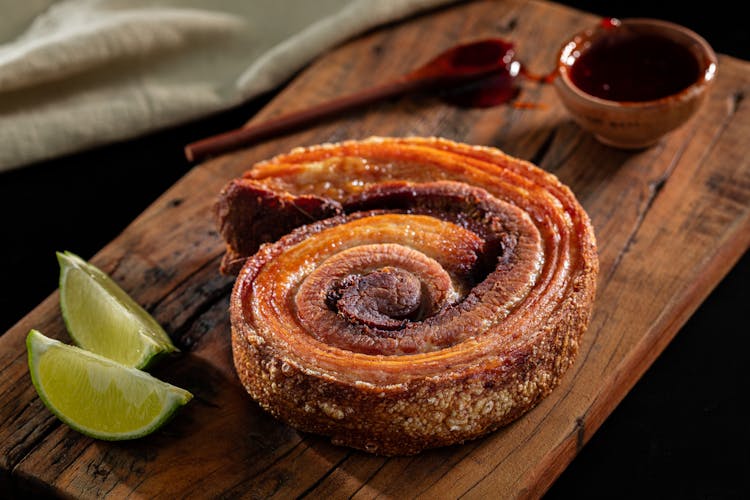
{"x":630,"y":82}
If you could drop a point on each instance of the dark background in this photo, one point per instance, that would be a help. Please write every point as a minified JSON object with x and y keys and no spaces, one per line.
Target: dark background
{"x":680,"y":433}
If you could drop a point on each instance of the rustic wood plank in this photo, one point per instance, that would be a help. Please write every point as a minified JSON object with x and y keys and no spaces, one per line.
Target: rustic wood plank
{"x":670,"y":222}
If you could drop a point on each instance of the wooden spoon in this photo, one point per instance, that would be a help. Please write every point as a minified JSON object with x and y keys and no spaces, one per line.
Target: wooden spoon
{"x":456,"y":66}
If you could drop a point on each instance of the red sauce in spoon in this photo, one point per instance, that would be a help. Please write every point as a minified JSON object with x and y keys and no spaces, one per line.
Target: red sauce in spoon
{"x":497,"y":88}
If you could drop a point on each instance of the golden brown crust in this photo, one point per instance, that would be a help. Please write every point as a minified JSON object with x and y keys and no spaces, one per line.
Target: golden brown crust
{"x":521,"y":267}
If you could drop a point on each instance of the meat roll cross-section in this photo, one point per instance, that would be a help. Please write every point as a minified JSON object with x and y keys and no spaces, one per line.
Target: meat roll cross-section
{"x":400,"y":294}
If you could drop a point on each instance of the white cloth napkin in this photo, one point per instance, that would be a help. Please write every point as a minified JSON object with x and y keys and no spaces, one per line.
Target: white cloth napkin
{"x":79,"y":73}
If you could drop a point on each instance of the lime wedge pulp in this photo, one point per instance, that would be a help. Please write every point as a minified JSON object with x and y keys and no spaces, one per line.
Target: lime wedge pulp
{"x":97,"y":396}
{"x":101,"y":317}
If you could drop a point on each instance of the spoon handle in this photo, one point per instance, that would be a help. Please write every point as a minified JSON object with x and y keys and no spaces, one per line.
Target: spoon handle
{"x":249,"y":134}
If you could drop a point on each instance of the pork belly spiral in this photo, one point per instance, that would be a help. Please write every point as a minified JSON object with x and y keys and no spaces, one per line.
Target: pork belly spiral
{"x":403,"y":294}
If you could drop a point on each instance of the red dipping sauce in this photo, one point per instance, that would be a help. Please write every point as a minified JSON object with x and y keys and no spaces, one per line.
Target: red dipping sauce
{"x":624,"y":63}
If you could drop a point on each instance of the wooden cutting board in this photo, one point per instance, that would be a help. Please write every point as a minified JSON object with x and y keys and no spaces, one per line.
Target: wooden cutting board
{"x":670,"y":221}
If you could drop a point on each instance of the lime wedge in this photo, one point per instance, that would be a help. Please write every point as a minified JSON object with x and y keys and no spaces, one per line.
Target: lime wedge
{"x":97,"y":396}
{"x":101,"y":317}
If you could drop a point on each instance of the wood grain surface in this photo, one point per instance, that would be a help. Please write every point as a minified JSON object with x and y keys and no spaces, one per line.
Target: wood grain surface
{"x":670,"y":220}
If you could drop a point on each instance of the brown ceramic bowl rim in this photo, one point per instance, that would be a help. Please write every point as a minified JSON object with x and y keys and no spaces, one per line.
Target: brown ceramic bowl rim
{"x":709,"y":63}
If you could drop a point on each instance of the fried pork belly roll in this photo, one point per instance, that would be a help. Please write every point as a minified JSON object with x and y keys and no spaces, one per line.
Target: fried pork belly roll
{"x":403,"y":294}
